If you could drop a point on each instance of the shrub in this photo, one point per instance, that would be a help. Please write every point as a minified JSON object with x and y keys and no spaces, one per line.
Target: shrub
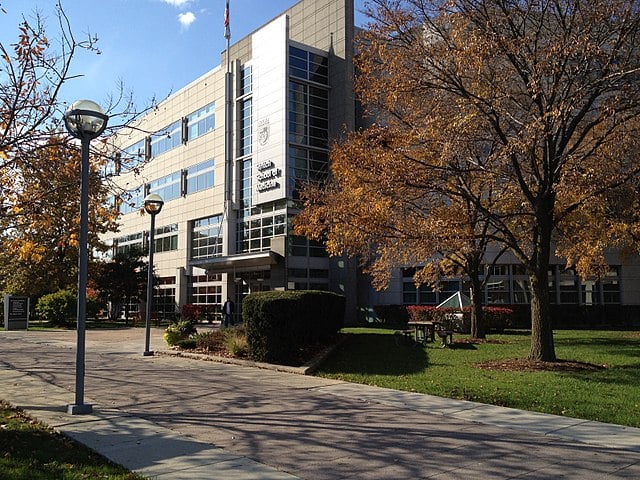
{"x":186,"y":343}
{"x":57,"y":308}
{"x":393,"y":316}
{"x":192,"y":313}
{"x":178,"y":331}
{"x":280,"y":324}
{"x":496,"y":318}
{"x":236,"y":343}
{"x":210,"y":341}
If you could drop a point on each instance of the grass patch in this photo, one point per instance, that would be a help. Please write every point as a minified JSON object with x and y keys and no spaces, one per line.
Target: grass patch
{"x":607,"y":392}
{"x":30,"y":450}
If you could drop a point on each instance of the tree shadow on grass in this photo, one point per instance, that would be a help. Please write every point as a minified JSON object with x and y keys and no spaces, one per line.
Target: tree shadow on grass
{"x":619,"y":375}
{"x":376,"y":354}
{"x":462,"y":346}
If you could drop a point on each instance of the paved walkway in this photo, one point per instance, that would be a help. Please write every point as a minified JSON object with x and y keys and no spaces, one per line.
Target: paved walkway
{"x":176,"y":418}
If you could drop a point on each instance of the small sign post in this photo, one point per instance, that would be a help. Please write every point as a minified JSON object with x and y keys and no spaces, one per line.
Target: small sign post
{"x":16,"y":312}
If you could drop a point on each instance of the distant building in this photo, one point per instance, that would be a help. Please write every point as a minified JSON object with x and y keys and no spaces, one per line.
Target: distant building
{"x":228,"y":154}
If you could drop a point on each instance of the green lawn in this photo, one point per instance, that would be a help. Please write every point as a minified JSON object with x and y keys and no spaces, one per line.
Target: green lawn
{"x":610,"y":394}
{"x":31,"y":451}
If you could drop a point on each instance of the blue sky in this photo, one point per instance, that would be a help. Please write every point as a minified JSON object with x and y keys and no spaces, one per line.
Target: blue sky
{"x":153,"y":46}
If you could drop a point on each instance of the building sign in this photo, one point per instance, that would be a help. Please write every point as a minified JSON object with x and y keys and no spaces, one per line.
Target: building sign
{"x":267,"y":176}
{"x":270,"y":80}
{"x":16,"y":312}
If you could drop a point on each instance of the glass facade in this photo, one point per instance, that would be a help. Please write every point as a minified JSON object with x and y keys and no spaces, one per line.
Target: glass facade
{"x":206,"y":237}
{"x":308,"y":114}
{"x":308,"y":65}
{"x":164,"y":298}
{"x":264,"y":222}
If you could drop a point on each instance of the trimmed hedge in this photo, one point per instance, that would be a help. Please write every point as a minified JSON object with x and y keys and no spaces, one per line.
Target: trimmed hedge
{"x":496,"y":318}
{"x":281,"y":323}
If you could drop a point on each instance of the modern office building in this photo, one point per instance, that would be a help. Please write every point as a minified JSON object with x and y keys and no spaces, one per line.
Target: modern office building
{"x":228,"y":154}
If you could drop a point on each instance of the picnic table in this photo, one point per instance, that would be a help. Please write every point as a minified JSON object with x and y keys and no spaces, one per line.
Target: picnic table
{"x":423,"y":329}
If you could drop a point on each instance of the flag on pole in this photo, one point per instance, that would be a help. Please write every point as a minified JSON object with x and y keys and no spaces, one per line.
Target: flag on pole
{"x":227,"y":30}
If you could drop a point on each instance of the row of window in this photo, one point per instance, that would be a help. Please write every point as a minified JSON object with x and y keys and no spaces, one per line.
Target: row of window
{"x":165,"y":240}
{"x":508,"y":284}
{"x":190,"y":180}
{"x":179,"y":132}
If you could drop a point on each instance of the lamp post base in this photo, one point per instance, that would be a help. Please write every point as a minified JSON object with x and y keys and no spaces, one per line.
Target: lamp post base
{"x":147,"y":354}
{"x":79,"y":409}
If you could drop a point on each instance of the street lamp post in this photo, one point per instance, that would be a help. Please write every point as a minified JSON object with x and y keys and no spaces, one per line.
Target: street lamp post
{"x":85,"y":120}
{"x":152,"y":205}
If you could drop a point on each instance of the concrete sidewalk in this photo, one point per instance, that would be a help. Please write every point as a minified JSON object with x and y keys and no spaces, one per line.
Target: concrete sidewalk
{"x":176,"y":418}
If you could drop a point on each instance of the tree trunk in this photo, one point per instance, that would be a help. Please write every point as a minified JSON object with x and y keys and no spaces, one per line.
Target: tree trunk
{"x":542,"y":347}
{"x":478,"y":324}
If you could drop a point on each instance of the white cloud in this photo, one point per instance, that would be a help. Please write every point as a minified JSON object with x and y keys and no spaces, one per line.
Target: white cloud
{"x":186,"y":18}
{"x":176,"y":3}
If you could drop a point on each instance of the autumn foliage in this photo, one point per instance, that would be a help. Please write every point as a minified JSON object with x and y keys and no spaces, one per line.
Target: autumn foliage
{"x":508,"y":121}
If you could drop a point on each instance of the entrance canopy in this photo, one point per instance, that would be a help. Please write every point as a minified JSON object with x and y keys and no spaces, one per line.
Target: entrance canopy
{"x":239,"y":263}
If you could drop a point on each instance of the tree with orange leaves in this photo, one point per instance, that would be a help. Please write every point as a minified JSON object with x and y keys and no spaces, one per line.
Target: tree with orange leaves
{"x":39,"y":162}
{"x":39,"y":252}
{"x":524,"y":110}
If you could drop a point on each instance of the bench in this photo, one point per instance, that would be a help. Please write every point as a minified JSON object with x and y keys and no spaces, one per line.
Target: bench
{"x":445,"y":335}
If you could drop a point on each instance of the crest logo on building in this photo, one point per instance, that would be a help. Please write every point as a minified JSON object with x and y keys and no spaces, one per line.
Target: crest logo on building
{"x":263,"y":131}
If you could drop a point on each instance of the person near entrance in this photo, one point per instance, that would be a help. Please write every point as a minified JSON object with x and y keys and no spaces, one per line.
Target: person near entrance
{"x":227,"y":312}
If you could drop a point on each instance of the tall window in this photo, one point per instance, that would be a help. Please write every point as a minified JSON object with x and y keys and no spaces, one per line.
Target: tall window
{"x":245,"y":187}
{"x":246,"y":80}
{"x":202,"y":121}
{"x":245,"y":105}
{"x":200,"y":177}
{"x":206,"y":237}
{"x":308,"y":128}
{"x":246,"y":118}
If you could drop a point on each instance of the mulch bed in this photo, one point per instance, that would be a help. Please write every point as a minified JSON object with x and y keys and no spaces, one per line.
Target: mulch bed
{"x":524,"y":365}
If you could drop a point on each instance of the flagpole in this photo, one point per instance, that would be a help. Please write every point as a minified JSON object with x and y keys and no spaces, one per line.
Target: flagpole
{"x":228,"y":139}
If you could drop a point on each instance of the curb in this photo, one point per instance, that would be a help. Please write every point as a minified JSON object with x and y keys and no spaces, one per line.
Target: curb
{"x":306,"y":369}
